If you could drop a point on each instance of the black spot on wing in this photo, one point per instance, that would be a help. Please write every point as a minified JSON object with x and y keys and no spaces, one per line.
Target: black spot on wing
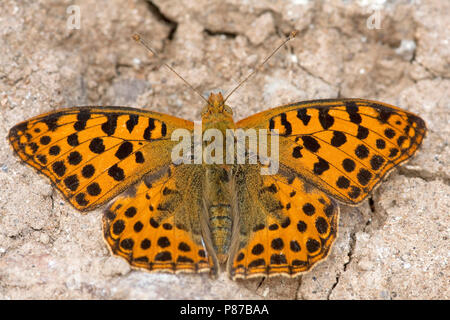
{"x":149,"y":129}
{"x":72,"y":182}
{"x":278,"y":259}
{"x":59,"y":168}
{"x":383,"y":115}
{"x":145,"y":244}
{"x":364,"y":176}
{"x":393,"y":152}
{"x":381,"y":144}
{"x":296,"y":153}
{"x":124,"y":150}
{"x":81,"y":200}
{"x":109,"y":127}
{"x":118,"y":227}
{"x":131,"y":212}
{"x":294,"y":245}
{"x":376,"y":162}
{"x":72,"y":140}
{"x":301,"y":114}
{"x":45,"y":140}
{"x":312,"y":245}
{"x":52,"y":121}
{"x":353,"y":112}
{"x":348,"y":165}
{"x":74,"y":158}
{"x":329,"y":210}
{"x":321,"y":225}
{"x":42,"y":158}
{"x":34,"y":147}
{"x":301,"y":226}
{"x":363,"y":132}
{"x":139,"y":157}
{"x":325,"y":119}
{"x":184,"y":259}
{"x":163,"y":256}
{"x":82,"y":117}
{"x":286,"y":124}
{"x":257,"y":263}
{"x":310,"y":143}
{"x":132,"y":122}
{"x":96,"y":145}
{"x":271,"y":124}
{"x":257,"y":249}
{"x":163,"y":242}
{"x":321,"y":166}
{"x":54,"y":150}
{"x":88,"y":171}
{"x":361,"y":151}
{"x":163,"y":129}
{"x":116,"y":173}
{"x":343,"y":182}
{"x":338,"y":139}
{"x":309,"y":209}
{"x":277,"y":244}
{"x":184,"y":247}
{"x":389,"y":133}
{"x":355,"y":192}
{"x":258,"y":227}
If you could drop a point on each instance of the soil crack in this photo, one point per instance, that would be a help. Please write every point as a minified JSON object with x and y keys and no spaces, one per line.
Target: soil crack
{"x":154,"y":9}
{"x":350,"y":258}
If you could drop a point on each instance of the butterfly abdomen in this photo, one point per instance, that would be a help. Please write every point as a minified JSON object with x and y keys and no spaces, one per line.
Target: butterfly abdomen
{"x":220,"y":225}
{"x":217,"y":200}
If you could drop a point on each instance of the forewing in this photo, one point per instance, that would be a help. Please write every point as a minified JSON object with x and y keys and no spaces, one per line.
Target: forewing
{"x":344,"y":147}
{"x":93,"y":153}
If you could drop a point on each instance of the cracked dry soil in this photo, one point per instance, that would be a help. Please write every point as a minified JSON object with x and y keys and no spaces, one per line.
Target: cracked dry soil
{"x":393,"y":246}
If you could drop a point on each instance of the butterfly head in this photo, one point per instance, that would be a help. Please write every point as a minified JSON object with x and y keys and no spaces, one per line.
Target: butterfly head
{"x":216,"y":110}
{"x":216,"y":104}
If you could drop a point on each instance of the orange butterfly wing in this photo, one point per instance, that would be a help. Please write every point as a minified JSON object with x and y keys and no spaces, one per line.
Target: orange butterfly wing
{"x":91,"y":153}
{"x":327,"y":148}
{"x":344,"y":147}
{"x":158,"y":225}
{"x":285,"y":224}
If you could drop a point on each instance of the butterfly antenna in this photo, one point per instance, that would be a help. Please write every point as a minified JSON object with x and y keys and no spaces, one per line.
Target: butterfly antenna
{"x":138,"y":38}
{"x":290,"y":37}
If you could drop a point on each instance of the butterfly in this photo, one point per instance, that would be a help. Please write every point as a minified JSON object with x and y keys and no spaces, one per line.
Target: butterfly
{"x":179,"y":217}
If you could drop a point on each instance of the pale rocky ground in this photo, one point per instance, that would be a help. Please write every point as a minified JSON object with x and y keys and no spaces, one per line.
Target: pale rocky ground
{"x":396,"y":248}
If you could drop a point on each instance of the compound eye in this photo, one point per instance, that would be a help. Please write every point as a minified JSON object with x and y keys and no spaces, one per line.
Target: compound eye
{"x":204,"y":110}
{"x":227,"y":109}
